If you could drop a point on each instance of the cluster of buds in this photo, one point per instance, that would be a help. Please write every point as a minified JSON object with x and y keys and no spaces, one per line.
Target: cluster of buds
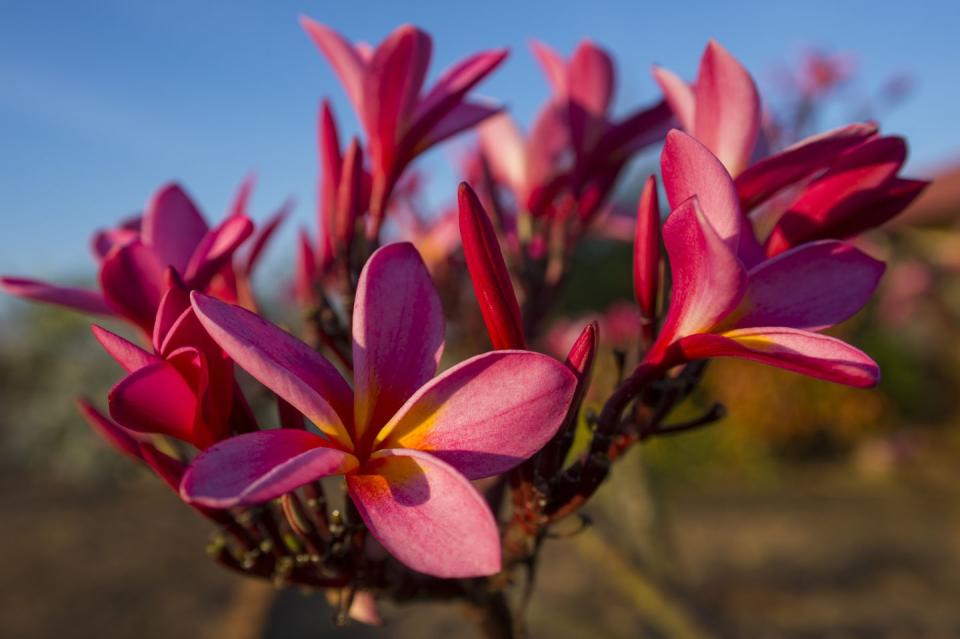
{"x":760,"y":261}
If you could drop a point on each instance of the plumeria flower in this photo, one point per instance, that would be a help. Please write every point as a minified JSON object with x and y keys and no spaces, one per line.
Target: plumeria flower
{"x":834,"y":185}
{"x":769,"y":312}
{"x":133,"y":257}
{"x":407,"y":442}
{"x":384,"y":85}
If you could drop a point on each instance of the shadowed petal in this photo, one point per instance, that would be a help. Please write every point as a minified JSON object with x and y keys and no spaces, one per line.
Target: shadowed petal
{"x":799,"y":351}
{"x":131,"y":278}
{"x":487,"y":414}
{"x":120,"y":438}
{"x":156,"y":399}
{"x":257,"y":467}
{"x":727,"y":114}
{"x":453,"y":84}
{"x":460,"y":118}
{"x":282,"y":363}
{"x":398,"y":333}
{"x":130,"y":356}
{"x":426,"y":514}
{"x":811,"y":287}
{"x":78,"y":299}
{"x":689,"y":168}
{"x":172,"y":226}
{"x":646,"y":251}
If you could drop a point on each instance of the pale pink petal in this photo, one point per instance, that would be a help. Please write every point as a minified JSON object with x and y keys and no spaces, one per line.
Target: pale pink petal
{"x":398,"y":333}
{"x":131,"y":278}
{"x":426,"y":514}
{"x":727,"y":114}
{"x":504,"y":148}
{"x":345,"y":60}
{"x":811,"y":287}
{"x":172,"y":226}
{"x":679,"y":96}
{"x":768,"y":176}
{"x":554,"y":66}
{"x":799,"y":351}
{"x":708,"y":280}
{"x":78,"y":299}
{"x":487,"y":414}
{"x":282,"y":363}
{"x":689,"y":168}
{"x":591,"y":76}
{"x":257,"y":467}
{"x":130,"y":356}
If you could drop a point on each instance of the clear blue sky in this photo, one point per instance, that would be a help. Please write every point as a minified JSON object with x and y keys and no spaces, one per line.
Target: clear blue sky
{"x":100,"y":102}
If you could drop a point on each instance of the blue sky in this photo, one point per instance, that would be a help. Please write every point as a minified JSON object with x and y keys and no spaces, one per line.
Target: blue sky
{"x":101,"y":102}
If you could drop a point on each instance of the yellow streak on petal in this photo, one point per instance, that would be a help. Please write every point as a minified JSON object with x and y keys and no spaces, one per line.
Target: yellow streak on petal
{"x":411,"y":430}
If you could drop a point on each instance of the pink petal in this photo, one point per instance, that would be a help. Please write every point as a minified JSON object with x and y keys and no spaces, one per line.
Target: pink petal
{"x":216,"y":250}
{"x":811,"y":287}
{"x":345,"y":60}
{"x":305,"y":271}
{"x":488,"y":273}
{"x":554,"y":66}
{"x":679,"y":96}
{"x":426,"y":514}
{"x":708,"y":280}
{"x":452,"y":85}
{"x":350,"y":202}
{"x":487,"y":414}
{"x":462,"y":117}
{"x":265,"y":234}
{"x":331,"y":162}
{"x":121,"y":439}
{"x":643,"y":127}
{"x":768,"y":176}
{"x":646,"y":251}
{"x":156,"y":399}
{"x":858,"y":178}
{"x":591,"y":76}
{"x":130,"y":356}
{"x":172,"y":305}
{"x":131,"y":278}
{"x":257,"y":467}
{"x":282,"y":363}
{"x":104,"y":241}
{"x":799,"y":351}
{"x":172,"y":226}
{"x":78,"y":299}
{"x":727,"y":115}
{"x":689,"y":169}
{"x":241,"y":199}
{"x":398,"y":332}
{"x":504,"y":149}
{"x":165,"y":467}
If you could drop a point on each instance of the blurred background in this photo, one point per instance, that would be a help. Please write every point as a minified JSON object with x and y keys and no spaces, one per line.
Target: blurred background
{"x":810,"y":511}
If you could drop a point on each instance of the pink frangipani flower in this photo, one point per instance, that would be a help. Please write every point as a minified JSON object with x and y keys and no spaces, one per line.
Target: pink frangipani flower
{"x":384,"y":85}
{"x":725,"y":302}
{"x":408,"y":442}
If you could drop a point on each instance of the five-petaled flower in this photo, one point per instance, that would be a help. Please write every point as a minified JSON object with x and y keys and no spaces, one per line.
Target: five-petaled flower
{"x":408,"y":442}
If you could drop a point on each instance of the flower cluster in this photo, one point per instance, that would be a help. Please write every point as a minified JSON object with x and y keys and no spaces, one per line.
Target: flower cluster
{"x":759,"y":247}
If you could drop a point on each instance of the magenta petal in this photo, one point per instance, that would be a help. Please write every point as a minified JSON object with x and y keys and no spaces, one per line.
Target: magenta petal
{"x":646,"y":251}
{"x":708,"y":279}
{"x":770,"y":175}
{"x":131,"y":278}
{"x":172,"y":226}
{"x":679,"y":96}
{"x":265,"y":234}
{"x":689,"y":168}
{"x":453,"y":84}
{"x":121,"y":439}
{"x":257,"y":467}
{"x":464,"y":116}
{"x":168,"y":469}
{"x":130,"y":356}
{"x":155,"y":399}
{"x":591,"y":77}
{"x":811,"y":287}
{"x":172,"y":305}
{"x":727,"y":114}
{"x":76,"y":298}
{"x":282,"y":363}
{"x":345,"y":60}
{"x":398,"y":333}
{"x":799,"y":351}
{"x":216,"y":250}
{"x":487,"y":414}
{"x":426,"y":514}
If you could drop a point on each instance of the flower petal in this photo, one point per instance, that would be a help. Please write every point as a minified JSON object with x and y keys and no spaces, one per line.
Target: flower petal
{"x":257,"y":467}
{"x":130,"y":356}
{"x":282,"y":363}
{"x":488,"y":273}
{"x":172,"y":226}
{"x":216,"y":250}
{"x":799,"y":351}
{"x":398,"y":333}
{"x":487,"y":414}
{"x":131,"y":278}
{"x":708,"y":280}
{"x":689,"y":168}
{"x":426,"y":514}
{"x":727,"y":114}
{"x":646,"y":251}
{"x":679,"y":96}
{"x":464,"y":116}
{"x":345,"y":60}
{"x":78,"y":299}
{"x":770,"y":175}
{"x":504,"y":149}
{"x":591,"y":77}
{"x":811,"y":287}
{"x":120,"y":438}
{"x":156,"y":399}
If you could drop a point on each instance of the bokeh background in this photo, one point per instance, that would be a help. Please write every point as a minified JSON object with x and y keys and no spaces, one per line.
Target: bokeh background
{"x":811,"y":511}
